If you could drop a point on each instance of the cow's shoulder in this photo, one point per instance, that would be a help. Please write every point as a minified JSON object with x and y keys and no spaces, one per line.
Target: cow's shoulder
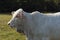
{"x":35,"y":12}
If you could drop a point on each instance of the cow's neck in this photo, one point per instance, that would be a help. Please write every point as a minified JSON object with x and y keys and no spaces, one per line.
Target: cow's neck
{"x":27,"y":24}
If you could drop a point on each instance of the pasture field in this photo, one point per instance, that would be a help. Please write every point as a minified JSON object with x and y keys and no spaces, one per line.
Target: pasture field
{"x":7,"y":33}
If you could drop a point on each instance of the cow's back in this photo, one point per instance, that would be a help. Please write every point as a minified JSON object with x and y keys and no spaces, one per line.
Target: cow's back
{"x":48,"y":25}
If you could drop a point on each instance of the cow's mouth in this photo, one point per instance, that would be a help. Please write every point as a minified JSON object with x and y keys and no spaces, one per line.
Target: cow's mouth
{"x":11,"y":26}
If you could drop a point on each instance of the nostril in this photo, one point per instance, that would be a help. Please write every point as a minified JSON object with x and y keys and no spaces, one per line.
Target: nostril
{"x":8,"y":23}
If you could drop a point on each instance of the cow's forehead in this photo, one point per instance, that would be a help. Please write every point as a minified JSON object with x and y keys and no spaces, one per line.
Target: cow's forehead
{"x":17,"y":12}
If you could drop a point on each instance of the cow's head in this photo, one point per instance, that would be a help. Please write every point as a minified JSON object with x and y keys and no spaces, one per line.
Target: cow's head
{"x":17,"y":20}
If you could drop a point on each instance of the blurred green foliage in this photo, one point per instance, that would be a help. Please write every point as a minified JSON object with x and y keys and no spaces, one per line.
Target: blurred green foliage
{"x":30,"y":5}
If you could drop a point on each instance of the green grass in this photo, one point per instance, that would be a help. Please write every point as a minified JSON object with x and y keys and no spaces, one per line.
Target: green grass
{"x":7,"y":33}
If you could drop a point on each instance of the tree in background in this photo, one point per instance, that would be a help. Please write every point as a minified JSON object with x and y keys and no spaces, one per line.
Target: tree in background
{"x":30,"y":5}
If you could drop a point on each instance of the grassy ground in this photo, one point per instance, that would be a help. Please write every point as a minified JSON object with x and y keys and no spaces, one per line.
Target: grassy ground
{"x":7,"y":33}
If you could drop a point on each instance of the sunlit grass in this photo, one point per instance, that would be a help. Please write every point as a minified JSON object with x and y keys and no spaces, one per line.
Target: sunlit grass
{"x":7,"y":33}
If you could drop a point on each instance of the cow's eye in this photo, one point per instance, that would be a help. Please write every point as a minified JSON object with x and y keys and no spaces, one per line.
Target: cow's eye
{"x":17,"y":16}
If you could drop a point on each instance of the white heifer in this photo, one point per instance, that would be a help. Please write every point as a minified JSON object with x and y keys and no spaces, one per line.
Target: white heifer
{"x":37,"y":26}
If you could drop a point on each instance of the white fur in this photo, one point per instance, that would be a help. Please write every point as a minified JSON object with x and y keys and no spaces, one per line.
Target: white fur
{"x":38,"y":26}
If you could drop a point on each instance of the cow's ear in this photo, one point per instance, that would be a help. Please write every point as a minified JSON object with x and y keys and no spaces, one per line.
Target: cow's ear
{"x":12,"y":12}
{"x":20,"y":15}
